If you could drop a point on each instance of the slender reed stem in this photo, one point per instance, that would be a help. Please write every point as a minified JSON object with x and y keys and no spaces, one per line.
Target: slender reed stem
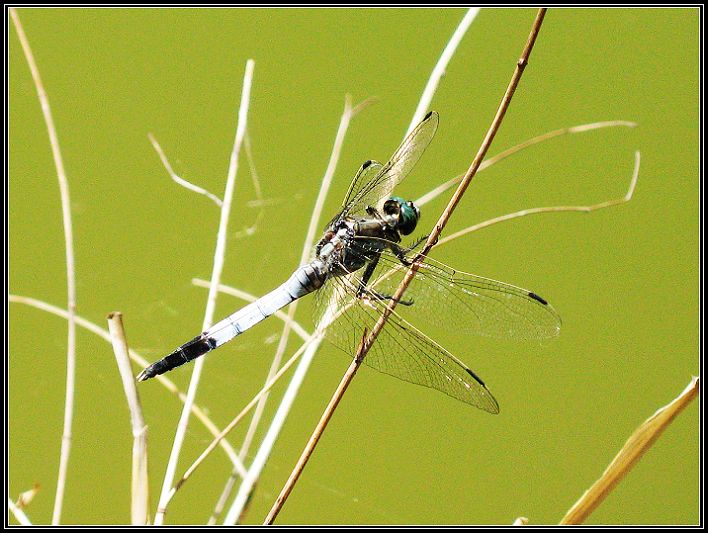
{"x":440,"y":67}
{"x":213,"y":292}
{"x":70,"y":270}
{"x":139,"y":494}
{"x":432,"y":239}
{"x":437,"y":191}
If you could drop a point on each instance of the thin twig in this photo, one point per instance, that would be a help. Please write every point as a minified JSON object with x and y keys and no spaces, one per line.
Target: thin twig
{"x":181,"y":181}
{"x":213,"y":292}
{"x":290,"y":394}
{"x":70,"y":270}
{"x":207,"y":451}
{"x":636,"y":446}
{"x":440,"y":67}
{"x":553,"y":209}
{"x":139,"y":494}
{"x":197,"y":411}
{"x":432,"y":239}
{"x":259,"y":201}
{"x":437,"y":191}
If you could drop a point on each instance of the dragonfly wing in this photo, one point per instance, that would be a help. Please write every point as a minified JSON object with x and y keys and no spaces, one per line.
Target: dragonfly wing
{"x":373,"y":188}
{"x":460,"y":301}
{"x":400,"y":350}
{"x":366,"y":173}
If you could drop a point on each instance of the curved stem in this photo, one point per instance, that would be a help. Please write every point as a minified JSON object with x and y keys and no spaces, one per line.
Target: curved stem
{"x":70,"y":271}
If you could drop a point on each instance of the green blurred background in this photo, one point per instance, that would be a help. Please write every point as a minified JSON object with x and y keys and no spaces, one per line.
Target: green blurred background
{"x":624,"y":279}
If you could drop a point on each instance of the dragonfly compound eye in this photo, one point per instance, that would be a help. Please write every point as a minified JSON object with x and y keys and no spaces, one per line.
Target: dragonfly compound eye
{"x":408,"y":218}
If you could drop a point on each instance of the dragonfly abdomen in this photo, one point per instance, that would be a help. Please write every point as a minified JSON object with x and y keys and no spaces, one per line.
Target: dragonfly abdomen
{"x":190,"y":350}
{"x":304,"y":280}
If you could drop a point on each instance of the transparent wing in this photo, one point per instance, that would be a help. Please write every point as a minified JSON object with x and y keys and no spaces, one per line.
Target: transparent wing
{"x":401,"y":350}
{"x":373,"y":184}
{"x":464,"y":302}
{"x":365,"y":175}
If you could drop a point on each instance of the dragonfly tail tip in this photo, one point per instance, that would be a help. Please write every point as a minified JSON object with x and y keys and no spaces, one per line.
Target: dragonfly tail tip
{"x":144,"y":375}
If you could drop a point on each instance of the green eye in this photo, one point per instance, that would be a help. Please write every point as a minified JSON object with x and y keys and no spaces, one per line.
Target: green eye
{"x":408,"y":216}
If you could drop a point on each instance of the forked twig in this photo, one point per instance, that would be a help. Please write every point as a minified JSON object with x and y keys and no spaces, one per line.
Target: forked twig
{"x":636,"y":446}
{"x":70,"y":270}
{"x":553,"y":209}
{"x":432,"y":239}
{"x":177,"y":179}
{"x":437,"y":191}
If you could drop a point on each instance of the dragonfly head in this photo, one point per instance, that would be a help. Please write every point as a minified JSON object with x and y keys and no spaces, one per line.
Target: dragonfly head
{"x":405,"y":214}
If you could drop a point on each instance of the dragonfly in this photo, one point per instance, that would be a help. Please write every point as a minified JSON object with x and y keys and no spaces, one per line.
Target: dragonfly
{"x":357,"y":266}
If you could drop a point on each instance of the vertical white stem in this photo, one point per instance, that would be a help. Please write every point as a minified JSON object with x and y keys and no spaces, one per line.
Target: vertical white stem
{"x":139,"y":493}
{"x":439,"y":70}
{"x":213,"y":292}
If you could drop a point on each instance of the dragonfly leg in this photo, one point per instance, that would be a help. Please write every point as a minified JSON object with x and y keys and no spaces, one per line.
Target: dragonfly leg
{"x":400,"y":252}
{"x":364,"y":290}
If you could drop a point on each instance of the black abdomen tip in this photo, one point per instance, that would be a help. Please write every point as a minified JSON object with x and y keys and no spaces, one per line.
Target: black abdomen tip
{"x":198,"y":346}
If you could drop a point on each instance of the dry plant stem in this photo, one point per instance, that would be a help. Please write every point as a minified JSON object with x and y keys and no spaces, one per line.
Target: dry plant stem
{"x":553,"y":209}
{"x":432,"y":239}
{"x":27,"y":496}
{"x":18,"y":513}
{"x":197,"y":411}
{"x":522,"y":146}
{"x":223,"y":498}
{"x":314,"y":439}
{"x":70,"y":270}
{"x":234,"y":422}
{"x":636,"y":446}
{"x":306,"y":250}
{"x":140,"y":496}
{"x":213,"y":292}
{"x":181,"y":181}
{"x":439,"y":70}
{"x":280,"y":416}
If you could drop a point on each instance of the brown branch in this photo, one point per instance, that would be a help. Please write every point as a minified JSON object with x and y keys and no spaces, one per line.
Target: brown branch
{"x":367,"y":341}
